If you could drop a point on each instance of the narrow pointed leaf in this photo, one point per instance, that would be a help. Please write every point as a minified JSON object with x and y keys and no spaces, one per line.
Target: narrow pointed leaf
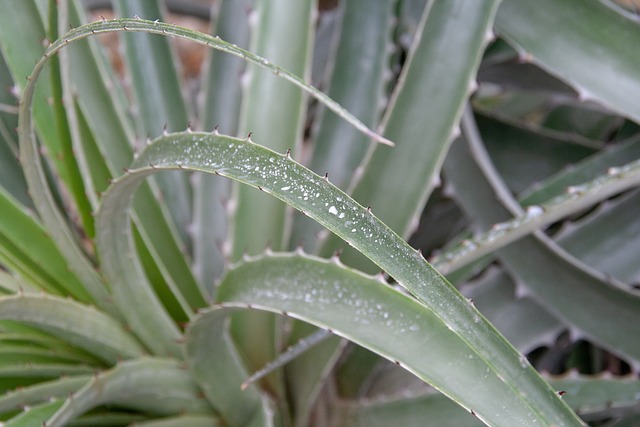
{"x":24,"y":232}
{"x":42,"y":392}
{"x":221,"y":107}
{"x":157,"y":89}
{"x":153,"y":27}
{"x":74,"y":323}
{"x":35,"y":416}
{"x":158,"y":386}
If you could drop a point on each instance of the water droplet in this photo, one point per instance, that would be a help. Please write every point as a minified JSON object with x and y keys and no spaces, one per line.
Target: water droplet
{"x":523,"y":361}
{"x":501,"y":226}
{"x":287,"y":188}
{"x":341,"y":215}
{"x":534,"y":211}
{"x":575,"y":189}
{"x":333,"y":210}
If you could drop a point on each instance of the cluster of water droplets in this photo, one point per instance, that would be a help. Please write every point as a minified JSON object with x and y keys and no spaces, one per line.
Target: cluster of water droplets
{"x":536,"y":216}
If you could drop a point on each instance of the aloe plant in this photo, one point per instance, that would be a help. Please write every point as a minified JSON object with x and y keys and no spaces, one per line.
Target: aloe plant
{"x":237,"y":254}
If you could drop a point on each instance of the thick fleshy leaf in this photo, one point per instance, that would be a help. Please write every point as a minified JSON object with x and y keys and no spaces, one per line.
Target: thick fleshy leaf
{"x":372,"y":314}
{"x":442,"y":65}
{"x":280,"y":32}
{"x":423,"y":115}
{"x":408,"y":412}
{"x":601,"y":394}
{"x":592,"y":241}
{"x":222,"y":92}
{"x":11,"y":176}
{"x":280,"y":176}
{"x":356,"y":84}
{"x":586,"y":44}
{"x":42,"y":392}
{"x":159,"y":236}
{"x":566,"y":287}
{"x":80,"y":325}
{"x":359,"y":71}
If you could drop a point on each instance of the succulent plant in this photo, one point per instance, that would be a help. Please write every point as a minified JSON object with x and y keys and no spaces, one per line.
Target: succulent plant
{"x":243,"y":246}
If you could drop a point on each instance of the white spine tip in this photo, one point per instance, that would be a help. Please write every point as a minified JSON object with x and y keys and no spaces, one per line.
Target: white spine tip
{"x":490,"y":36}
{"x":525,"y":57}
{"x":455,"y":132}
{"x":584,"y":95}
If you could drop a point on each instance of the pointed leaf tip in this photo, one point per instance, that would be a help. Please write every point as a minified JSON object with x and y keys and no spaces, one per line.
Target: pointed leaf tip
{"x":382,"y":140}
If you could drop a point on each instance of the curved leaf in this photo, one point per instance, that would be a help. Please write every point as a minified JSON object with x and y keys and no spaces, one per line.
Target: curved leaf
{"x":372,"y":314}
{"x":39,"y":186}
{"x":156,"y":27}
{"x":280,"y":176}
{"x":36,"y":178}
